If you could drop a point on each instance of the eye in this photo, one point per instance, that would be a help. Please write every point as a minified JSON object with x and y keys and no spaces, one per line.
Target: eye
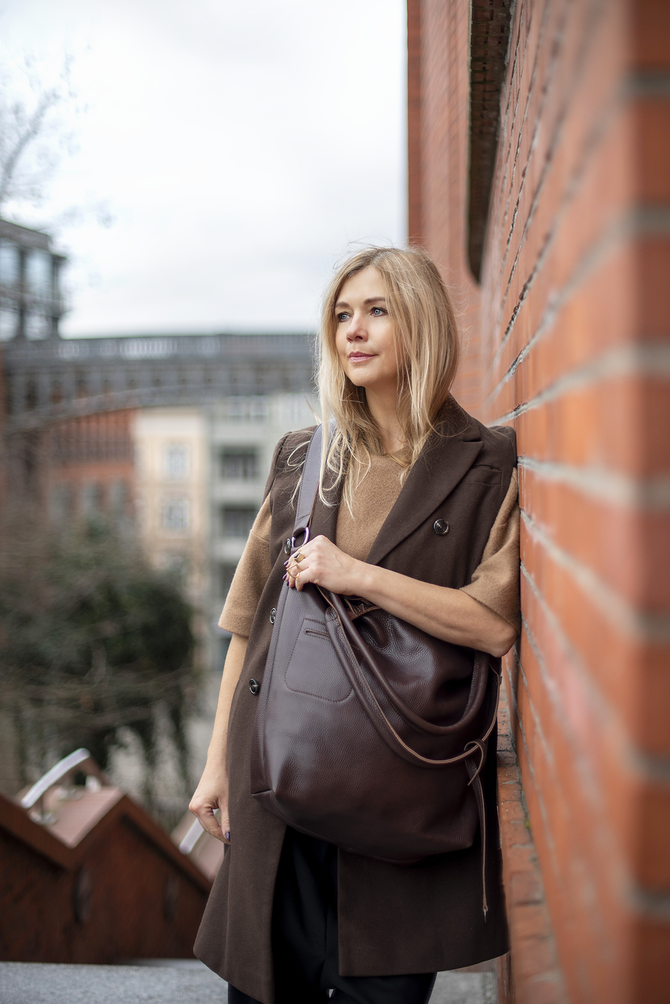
{"x":378,"y":311}
{"x":342,"y":317}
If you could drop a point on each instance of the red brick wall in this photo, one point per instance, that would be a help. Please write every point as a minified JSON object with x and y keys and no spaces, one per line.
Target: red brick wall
{"x":94,"y":449}
{"x":569,"y":340}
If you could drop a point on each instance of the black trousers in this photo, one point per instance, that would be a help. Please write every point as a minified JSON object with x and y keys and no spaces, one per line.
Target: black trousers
{"x":304,"y":937}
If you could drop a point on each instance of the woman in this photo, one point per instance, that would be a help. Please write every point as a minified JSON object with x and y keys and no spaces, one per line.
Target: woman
{"x":416,"y":513}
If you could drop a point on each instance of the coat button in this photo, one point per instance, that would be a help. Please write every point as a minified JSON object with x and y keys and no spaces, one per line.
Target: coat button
{"x":273,"y":615}
{"x":440,"y":527}
{"x":287,"y":546}
{"x":254,"y":686}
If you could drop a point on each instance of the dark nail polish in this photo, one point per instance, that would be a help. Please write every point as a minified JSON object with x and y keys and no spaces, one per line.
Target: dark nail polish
{"x":286,"y":562}
{"x":227,"y":834}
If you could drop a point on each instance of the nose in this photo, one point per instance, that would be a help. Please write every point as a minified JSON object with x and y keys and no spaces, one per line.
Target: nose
{"x":356,"y":329}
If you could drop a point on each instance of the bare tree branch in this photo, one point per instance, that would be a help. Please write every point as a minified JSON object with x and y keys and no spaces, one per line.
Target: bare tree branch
{"x":11,"y":158}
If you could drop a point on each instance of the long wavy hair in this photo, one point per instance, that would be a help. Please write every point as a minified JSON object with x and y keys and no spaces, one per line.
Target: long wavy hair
{"x":427,"y":348}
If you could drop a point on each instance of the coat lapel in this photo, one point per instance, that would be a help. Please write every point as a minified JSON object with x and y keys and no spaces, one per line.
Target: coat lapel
{"x":444,"y":462}
{"x":446,"y":459}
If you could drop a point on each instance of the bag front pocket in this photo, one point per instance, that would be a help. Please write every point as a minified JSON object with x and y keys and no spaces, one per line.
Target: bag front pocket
{"x":314,"y":668}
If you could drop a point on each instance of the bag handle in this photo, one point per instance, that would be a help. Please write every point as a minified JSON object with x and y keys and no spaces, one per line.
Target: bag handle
{"x":366,"y":696}
{"x":309,"y":486}
{"x":480,"y":673}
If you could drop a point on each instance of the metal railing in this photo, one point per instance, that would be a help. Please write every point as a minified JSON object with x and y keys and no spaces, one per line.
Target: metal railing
{"x":60,"y":775}
{"x":188,"y":842}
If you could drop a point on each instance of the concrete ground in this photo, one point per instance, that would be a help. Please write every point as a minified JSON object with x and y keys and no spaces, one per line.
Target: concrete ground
{"x":173,"y":981}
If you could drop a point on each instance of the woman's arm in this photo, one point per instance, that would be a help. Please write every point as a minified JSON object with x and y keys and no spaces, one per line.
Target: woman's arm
{"x":212,"y":791}
{"x":445,"y":613}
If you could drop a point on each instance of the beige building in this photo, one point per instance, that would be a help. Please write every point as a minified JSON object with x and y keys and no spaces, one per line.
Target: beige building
{"x":171,"y":493}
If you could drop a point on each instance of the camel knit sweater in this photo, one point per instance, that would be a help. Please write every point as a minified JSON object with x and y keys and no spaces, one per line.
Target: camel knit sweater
{"x":495,"y":581}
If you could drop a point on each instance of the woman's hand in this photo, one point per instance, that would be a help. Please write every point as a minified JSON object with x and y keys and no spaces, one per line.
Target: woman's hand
{"x":210,"y":795}
{"x":445,"y":613}
{"x":324,"y":564}
{"x":212,"y":792}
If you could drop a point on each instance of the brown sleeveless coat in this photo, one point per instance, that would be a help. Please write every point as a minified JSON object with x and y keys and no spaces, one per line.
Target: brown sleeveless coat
{"x":393,"y":919}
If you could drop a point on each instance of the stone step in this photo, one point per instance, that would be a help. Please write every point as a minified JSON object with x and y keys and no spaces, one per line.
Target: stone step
{"x":172,"y":981}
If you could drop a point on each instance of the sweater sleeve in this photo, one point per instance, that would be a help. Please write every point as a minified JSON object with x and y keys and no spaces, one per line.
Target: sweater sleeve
{"x":251,"y":574}
{"x":495,"y":581}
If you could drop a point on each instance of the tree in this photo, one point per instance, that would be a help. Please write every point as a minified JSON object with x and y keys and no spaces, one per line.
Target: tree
{"x":32,"y":133}
{"x":38,"y":105}
{"x":92,"y":642}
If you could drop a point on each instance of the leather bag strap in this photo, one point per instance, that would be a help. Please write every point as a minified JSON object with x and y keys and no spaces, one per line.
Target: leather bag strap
{"x":309,"y":486}
{"x":481,"y":667}
{"x":371,"y":705}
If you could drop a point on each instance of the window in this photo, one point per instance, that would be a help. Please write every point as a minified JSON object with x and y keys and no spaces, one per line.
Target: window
{"x":248,"y":409}
{"x":36,"y":326}
{"x":238,"y":520}
{"x":175,"y":515}
{"x":8,"y":323}
{"x":118,"y":498}
{"x":176,"y":565}
{"x":91,"y":498}
{"x":176,"y":461}
{"x":61,"y":503}
{"x":38,"y":273}
{"x":239,"y":464}
{"x":9,"y":263}
{"x":31,"y":395}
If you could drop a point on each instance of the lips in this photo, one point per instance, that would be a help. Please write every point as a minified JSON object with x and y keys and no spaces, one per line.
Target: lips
{"x":355,"y":357}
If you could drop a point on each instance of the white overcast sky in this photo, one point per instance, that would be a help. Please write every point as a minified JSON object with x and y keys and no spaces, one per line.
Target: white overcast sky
{"x":240,"y":145}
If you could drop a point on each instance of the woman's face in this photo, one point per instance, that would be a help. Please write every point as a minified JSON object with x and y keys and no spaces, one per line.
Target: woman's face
{"x":365,"y":337}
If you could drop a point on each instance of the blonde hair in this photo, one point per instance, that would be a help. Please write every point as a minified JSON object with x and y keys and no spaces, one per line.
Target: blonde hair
{"x":427,"y":347}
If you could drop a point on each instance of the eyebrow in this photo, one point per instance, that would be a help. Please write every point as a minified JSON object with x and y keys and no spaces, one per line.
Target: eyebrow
{"x":370,"y":299}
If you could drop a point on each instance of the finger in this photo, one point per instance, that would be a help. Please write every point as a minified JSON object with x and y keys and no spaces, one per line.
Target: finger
{"x":210,"y":824}
{"x":208,"y":821}
{"x":225,"y":828}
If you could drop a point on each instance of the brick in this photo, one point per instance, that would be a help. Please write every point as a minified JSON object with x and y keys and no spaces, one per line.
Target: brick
{"x":602,"y":424}
{"x":653,"y":268}
{"x":618,"y":661}
{"x":653,"y":149}
{"x":587,"y":528}
{"x":525,"y":887}
{"x":649,"y":980}
{"x":650,"y":31}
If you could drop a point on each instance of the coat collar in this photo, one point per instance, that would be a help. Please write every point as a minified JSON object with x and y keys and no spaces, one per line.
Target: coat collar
{"x":447,"y":457}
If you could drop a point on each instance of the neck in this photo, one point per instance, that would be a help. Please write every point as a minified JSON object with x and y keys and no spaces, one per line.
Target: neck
{"x":383,"y":408}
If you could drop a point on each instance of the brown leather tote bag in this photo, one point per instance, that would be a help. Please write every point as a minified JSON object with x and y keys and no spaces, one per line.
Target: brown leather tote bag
{"x":370,"y":733}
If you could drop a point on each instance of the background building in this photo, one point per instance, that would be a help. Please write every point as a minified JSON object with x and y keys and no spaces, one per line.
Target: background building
{"x":168,"y":437}
{"x":170,"y":492}
{"x":31,"y":303}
